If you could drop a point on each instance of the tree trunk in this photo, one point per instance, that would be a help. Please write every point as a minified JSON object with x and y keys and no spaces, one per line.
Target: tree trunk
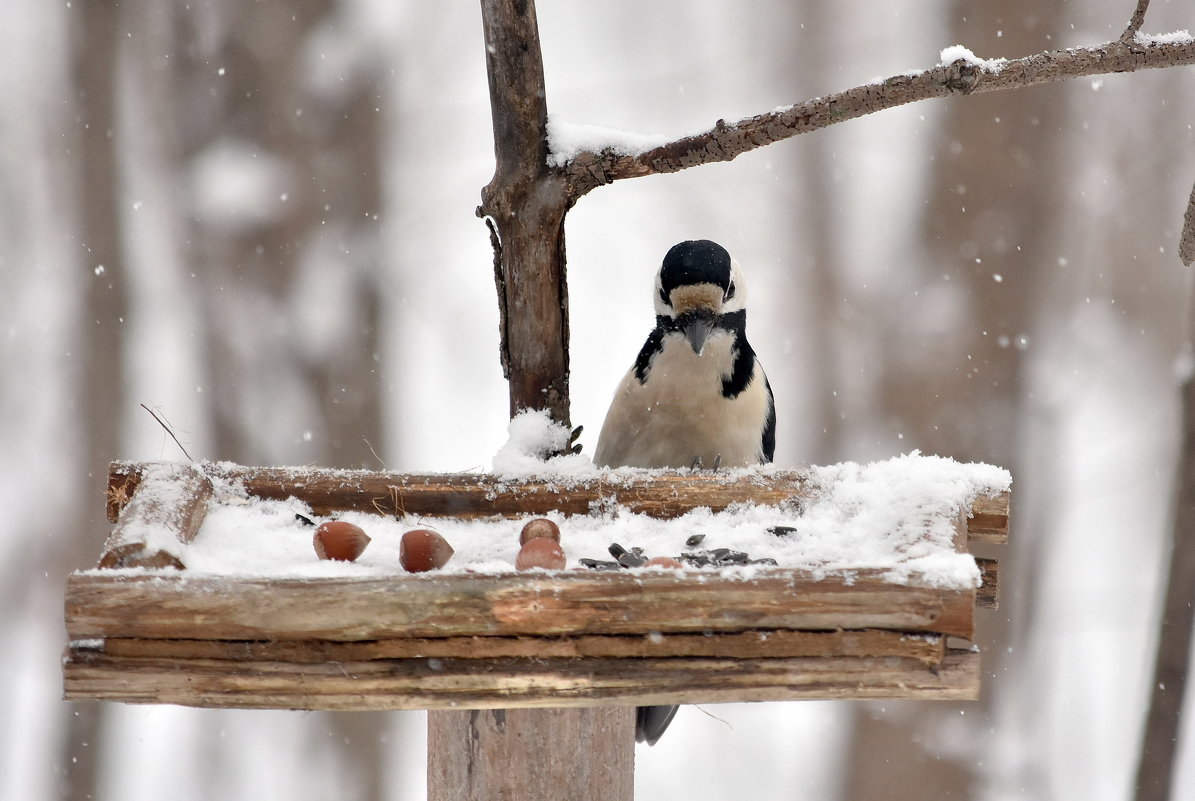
{"x":957,"y":392}
{"x":96,"y":43}
{"x":1155,"y":770}
{"x":526,"y":203}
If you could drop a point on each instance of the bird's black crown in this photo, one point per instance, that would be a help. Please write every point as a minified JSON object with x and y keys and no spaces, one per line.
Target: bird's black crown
{"x":698,"y":261}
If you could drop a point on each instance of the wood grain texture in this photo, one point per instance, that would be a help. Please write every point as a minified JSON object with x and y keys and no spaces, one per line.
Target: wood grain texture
{"x":486,"y":684}
{"x":164,"y":509}
{"x":175,"y":606}
{"x":988,"y":594}
{"x":989,"y":519}
{"x":927,"y":649}
{"x":525,"y":204}
{"x":531,"y":754}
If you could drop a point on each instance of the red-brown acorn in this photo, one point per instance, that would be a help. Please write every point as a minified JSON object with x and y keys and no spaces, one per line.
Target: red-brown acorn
{"x":539,"y":528}
{"x":340,"y":540}
{"x":422,"y":549}
{"x":540,"y":552}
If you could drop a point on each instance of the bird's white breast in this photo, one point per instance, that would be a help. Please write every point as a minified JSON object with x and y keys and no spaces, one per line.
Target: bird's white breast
{"x":679,"y":413}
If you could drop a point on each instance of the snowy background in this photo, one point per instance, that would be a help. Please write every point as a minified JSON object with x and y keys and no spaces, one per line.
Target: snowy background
{"x":257,"y":219}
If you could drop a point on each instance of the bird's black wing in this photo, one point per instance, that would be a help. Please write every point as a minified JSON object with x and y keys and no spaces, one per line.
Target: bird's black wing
{"x":769,"y":428}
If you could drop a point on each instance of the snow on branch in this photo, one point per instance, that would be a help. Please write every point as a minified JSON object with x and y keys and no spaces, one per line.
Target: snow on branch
{"x":960,"y":73}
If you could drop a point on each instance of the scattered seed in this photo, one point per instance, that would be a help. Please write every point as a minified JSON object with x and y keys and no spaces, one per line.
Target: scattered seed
{"x":598,"y":564}
{"x":632,"y":559}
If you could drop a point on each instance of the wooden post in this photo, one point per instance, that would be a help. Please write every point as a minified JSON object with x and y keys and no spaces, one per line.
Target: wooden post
{"x":531,"y":754}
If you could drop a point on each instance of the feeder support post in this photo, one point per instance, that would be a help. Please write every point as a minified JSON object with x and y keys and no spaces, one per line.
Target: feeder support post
{"x":528,"y":754}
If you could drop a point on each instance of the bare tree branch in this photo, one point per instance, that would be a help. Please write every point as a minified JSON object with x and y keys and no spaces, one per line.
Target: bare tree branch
{"x":726,"y":141}
{"x":1136,"y":21}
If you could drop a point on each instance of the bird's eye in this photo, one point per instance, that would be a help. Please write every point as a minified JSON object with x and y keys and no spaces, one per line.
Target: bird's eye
{"x":729,"y":293}
{"x":664,"y":297}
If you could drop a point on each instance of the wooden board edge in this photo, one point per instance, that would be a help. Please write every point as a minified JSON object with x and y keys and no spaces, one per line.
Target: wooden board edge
{"x":988,"y":522}
{"x":873,"y":643}
{"x":988,"y":594}
{"x":177,"y":605}
{"x":469,"y":495}
{"x":463,"y":684}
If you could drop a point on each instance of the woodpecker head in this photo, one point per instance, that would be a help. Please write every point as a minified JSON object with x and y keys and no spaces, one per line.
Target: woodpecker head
{"x":698,"y":284}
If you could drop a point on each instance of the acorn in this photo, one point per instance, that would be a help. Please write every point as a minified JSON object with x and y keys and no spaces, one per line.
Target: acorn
{"x":422,"y":549}
{"x":663,"y":561}
{"x":339,"y":540}
{"x":540,"y":552}
{"x":539,"y":528}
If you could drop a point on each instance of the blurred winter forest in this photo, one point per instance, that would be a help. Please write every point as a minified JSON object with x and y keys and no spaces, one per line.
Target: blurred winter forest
{"x":257,"y":218}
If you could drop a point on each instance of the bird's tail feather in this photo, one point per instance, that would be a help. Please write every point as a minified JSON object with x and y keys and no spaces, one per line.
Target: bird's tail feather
{"x":651,"y":722}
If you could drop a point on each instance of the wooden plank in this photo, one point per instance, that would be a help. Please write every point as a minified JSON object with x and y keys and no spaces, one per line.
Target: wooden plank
{"x":924,"y":648}
{"x":989,"y":519}
{"x":166,"y":510}
{"x":469,"y":495}
{"x":988,"y":595}
{"x":531,"y":754}
{"x":180,"y":606}
{"x":514,"y":683}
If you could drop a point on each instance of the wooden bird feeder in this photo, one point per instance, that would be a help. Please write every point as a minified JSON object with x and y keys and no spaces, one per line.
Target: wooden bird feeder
{"x":571,"y":638}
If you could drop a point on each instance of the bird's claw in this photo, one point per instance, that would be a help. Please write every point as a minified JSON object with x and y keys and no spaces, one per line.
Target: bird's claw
{"x":699,"y":465}
{"x":574,"y":446}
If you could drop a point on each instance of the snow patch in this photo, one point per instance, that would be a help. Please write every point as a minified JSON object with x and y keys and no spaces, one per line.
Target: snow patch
{"x":567,"y":140}
{"x":1174,"y":37}
{"x":954,"y":53}
{"x":895,"y":516}
{"x":536,"y":445}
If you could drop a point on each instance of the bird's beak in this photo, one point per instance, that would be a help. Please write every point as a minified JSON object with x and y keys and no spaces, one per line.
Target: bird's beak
{"x":696,"y":326}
